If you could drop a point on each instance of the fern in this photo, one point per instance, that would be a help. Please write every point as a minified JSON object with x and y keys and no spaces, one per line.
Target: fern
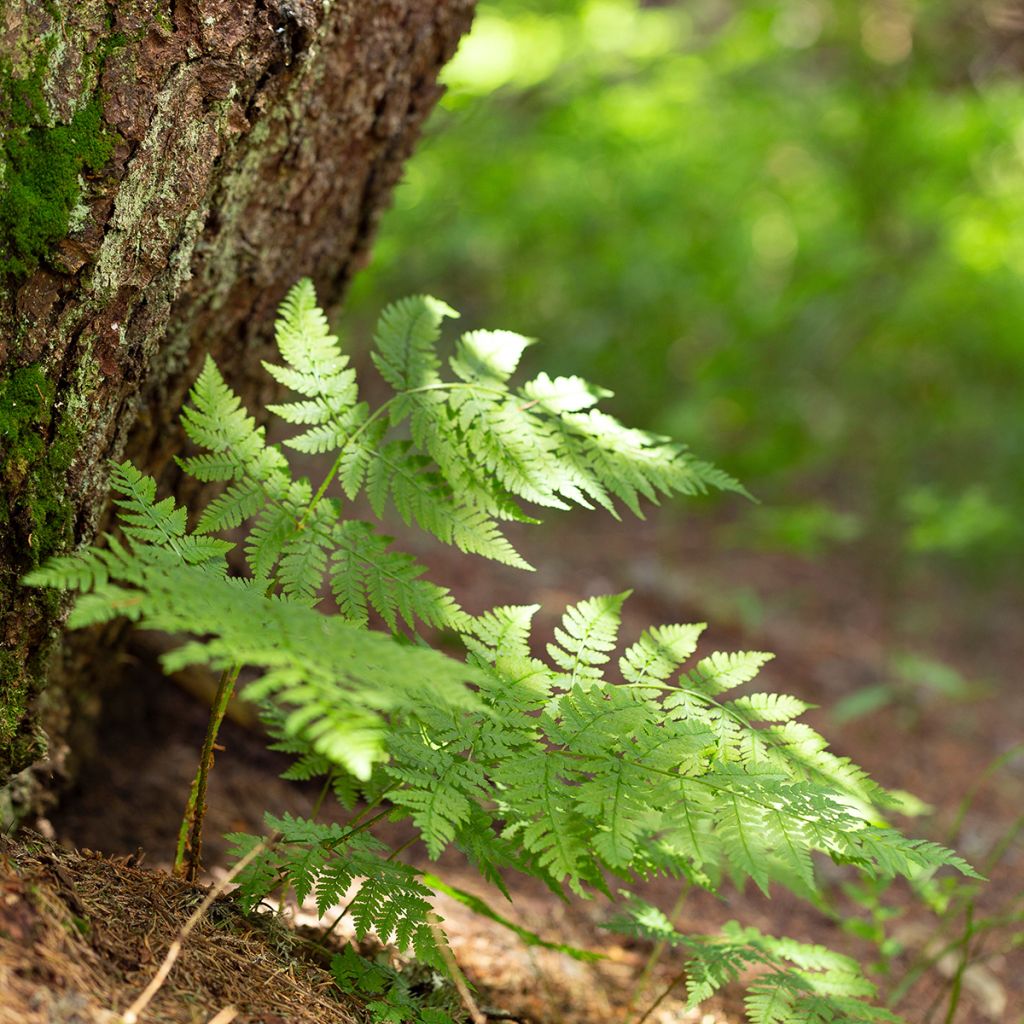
{"x":365,"y":575}
{"x":337,"y":865}
{"x":792,"y":981}
{"x":588,"y":632}
{"x":555,"y":766}
{"x":393,"y":996}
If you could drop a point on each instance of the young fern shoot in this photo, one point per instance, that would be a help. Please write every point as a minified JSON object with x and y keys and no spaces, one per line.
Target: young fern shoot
{"x":548,"y":766}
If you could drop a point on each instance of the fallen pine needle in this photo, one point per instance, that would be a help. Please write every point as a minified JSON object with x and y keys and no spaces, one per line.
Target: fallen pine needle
{"x":131,"y":1015}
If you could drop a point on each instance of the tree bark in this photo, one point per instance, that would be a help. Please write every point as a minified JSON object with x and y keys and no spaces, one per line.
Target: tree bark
{"x":167,"y":170}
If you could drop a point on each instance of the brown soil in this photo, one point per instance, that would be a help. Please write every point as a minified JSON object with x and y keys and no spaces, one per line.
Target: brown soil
{"x":834,"y":625}
{"x":81,"y":935}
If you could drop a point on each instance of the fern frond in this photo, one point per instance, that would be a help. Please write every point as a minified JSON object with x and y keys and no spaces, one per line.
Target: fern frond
{"x":659,"y":652}
{"x":768,"y":707}
{"x":518,"y":450}
{"x":563,"y":394}
{"x":365,"y":574}
{"x":545,"y":766}
{"x":787,"y":982}
{"x":488,"y":357}
{"x":307,"y":345}
{"x":329,"y":860}
{"x":335,"y":679}
{"x":421,"y":495}
{"x":304,"y":555}
{"x":83,"y":570}
{"x":631,"y":464}
{"x":232,"y":507}
{"x":439,"y":787}
{"x":405,"y":340}
{"x":720,"y":672}
{"x":588,"y":632}
{"x":540,"y":814}
{"x":740,"y":824}
{"x":217,"y":421}
{"x":274,"y":525}
{"x":888,"y":853}
{"x":143,"y":518}
{"x":503,"y":632}
{"x":394,"y":905}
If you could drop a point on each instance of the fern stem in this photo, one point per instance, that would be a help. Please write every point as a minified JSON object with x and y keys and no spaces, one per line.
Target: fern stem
{"x":190,"y":835}
{"x":322,"y":795}
{"x":965,"y":957}
{"x":401,"y":849}
{"x":361,"y":827}
{"x":676,"y":979}
{"x":656,"y":954}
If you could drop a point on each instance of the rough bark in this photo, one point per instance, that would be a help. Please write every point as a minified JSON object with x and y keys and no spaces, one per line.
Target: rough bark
{"x":167,"y":170}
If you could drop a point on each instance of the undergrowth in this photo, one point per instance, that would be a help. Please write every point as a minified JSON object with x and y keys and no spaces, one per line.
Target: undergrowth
{"x":577,"y":768}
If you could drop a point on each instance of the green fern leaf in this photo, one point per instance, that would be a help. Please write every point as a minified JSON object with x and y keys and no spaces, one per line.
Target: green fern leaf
{"x":406,"y":336}
{"x":503,"y":632}
{"x":217,"y":421}
{"x":659,"y":652}
{"x":768,"y":707}
{"x":233,"y":507}
{"x":587,"y":633}
{"x":439,"y":787}
{"x":307,"y":345}
{"x":563,"y":394}
{"x":488,"y":357}
{"x":540,"y":815}
{"x":364,"y":574}
{"x":720,"y":672}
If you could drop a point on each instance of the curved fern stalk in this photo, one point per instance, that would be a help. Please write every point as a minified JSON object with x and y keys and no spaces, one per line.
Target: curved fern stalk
{"x":189,"y":848}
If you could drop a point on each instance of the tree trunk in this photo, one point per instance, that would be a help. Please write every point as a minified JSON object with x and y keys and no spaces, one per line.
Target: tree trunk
{"x":167,"y":170}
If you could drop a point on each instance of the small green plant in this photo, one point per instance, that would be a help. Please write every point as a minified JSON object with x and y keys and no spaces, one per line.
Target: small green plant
{"x":957,"y":934}
{"x":553,"y":765}
{"x":391,"y":996}
{"x":913,"y":678}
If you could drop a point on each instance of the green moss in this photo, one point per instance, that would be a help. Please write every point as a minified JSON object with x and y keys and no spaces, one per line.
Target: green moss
{"x":25,"y":398}
{"x":41,"y":166}
{"x":163,"y":19}
{"x":33,"y":465}
{"x":37,"y":447}
{"x":18,"y":746}
{"x":11,"y":707}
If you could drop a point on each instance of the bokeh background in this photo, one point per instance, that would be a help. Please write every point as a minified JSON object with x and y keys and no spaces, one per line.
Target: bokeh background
{"x":788,"y":234}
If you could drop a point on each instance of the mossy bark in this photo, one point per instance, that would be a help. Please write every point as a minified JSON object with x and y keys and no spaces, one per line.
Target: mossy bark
{"x":167,"y":170}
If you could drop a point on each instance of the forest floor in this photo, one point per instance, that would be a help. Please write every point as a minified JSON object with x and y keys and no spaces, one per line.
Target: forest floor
{"x":837,"y":624}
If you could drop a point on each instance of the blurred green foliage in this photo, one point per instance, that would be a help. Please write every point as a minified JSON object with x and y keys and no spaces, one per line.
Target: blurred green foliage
{"x":912,"y":680}
{"x":790,"y":234}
